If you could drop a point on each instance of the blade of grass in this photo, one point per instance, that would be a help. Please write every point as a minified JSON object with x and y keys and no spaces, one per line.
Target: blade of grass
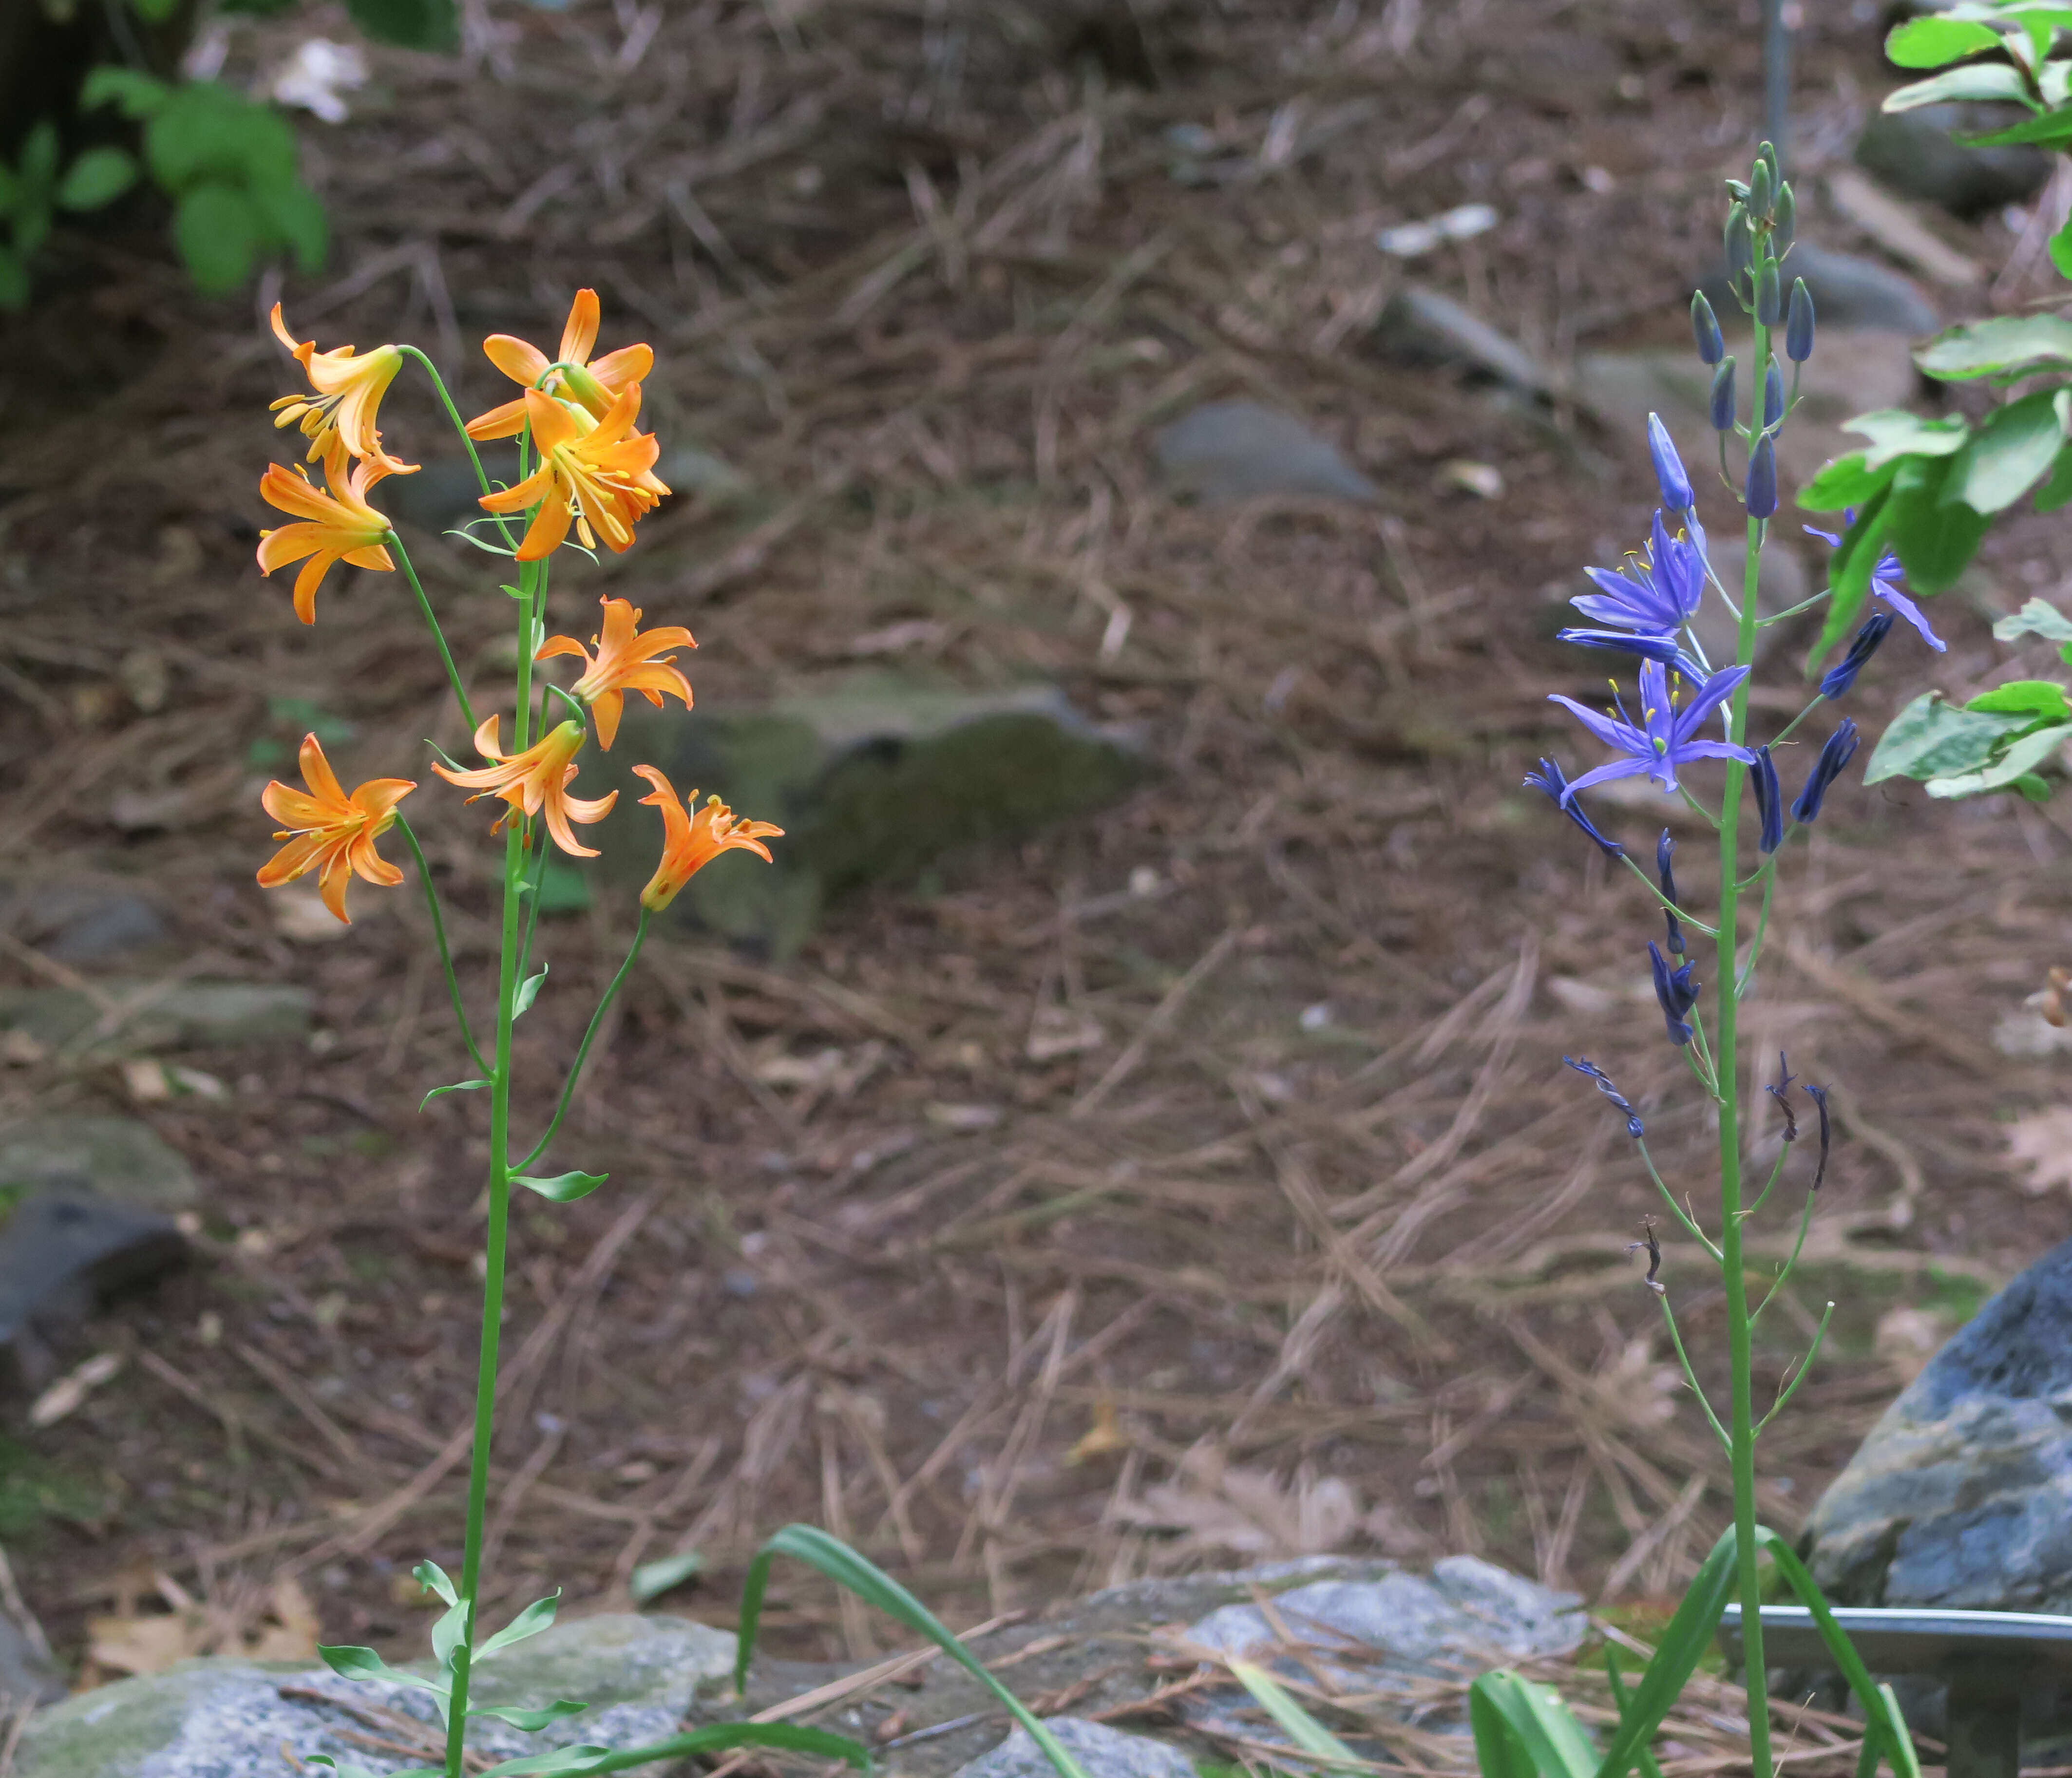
{"x":1676,"y":1657}
{"x":1539,"y":1739}
{"x":1303,"y":1729}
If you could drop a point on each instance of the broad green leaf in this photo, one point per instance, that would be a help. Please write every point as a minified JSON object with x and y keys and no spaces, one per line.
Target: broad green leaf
{"x":1996,"y":346}
{"x":14,"y":282}
{"x":293,"y":217}
{"x":1848,"y":482}
{"x":536,"y":1617}
{"x":2036,"y":619}
{"x":1934,"y":738}
{"x":1303,"y":1729}
{"x":2052,"y":129}
{"x":2061,"y":250}
{"x":32,"y":222}
{"x":1849,"y":569}
{"x":1977,"y":80}
{"x":2023,"y":756}
{"x":580,"y":1762}
{"x":1935,"y":538}
{"x":217,"y":233}
{"x":434,"y":1579}
{"x":1934,"y":42}
{"x":37,"y":165}
{"x":205,"y":132}
{"x":563,"y":1188}
{"x":458,"y":1087}
{"x":415,"y":24}
{"x":2009,"y":455}
{"x":448,"y":1633}
{"x":530,"y":1720}
{"x":133,"y":94}
{"x":98,"y":177}
{"x":651,"y":1579}
{"x":1684,"y":1643}
{"x":1530,"y":1733}
{"x":2026,"y":697}
{"x":528,"y":991}
{"x":365,"y":1663}
{"x":876,"y":1588}
{"x":1894,"y":432}
{"x":2055,"y":492}
{"x":2032,"y":787}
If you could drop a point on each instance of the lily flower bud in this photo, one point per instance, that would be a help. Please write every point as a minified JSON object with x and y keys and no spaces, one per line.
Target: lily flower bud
{"x":1768,"y":800}
{"x":1705,"y":330}
{"x":1768,"y":292}
{"x":1760,"y":493}
{"x":1722,"y":397}
{"x":1843,"y":674}
{"x":1740,"y":244}
{"x":1763,"y":191}
{"x":1773,"y":396}
{"x":1840,"y":749}
{"x":1783,"y":222}
{"x":1669,"y":470}
{"x":1799,"y":323}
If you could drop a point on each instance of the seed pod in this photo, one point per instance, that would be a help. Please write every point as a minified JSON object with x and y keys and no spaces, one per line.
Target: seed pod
{"x":1722,"y":397}
{"x":1769,"y":302}
{"x":1761,"y":491}
{"x":1773,"y":396}
{"x":1705,"y":330}
{"x":1799,"y":323}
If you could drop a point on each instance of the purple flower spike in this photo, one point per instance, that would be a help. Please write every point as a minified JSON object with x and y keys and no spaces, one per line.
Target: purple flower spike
{"x":1665,"y":738}
{"x":1668,"y":467}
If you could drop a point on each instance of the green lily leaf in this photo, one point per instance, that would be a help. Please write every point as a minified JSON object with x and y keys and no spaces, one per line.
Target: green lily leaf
{"x":530,"y":1720}
{"x":1303,"y":1729}
{"x":1524,"y":1730}
{"x":651,"y":1579}
{"x":563,"y":1188}
{"x":433,"y":1578}
{"x":528,"y":991}
{"x":1849,"y":569}
{"x":537,"y":1616}
{"x":458,"y":1087}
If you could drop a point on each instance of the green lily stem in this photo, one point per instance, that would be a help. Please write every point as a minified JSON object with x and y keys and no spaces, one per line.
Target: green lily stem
{"x":1747,"y":974}
{"x":1663,"y":902}
{"x":1792,"y":611}
{"x":589,"y":1036}
{"x":1676,"y":1209}
{"x":1776,"y":1171}
{"x":1798,"y":1247}
{"x":1691,"y":1376}
{"x":1784,"y":734}
{"x":499,"y":1205}
{"x":1704,"y":814}
{"x":460,"y":426}
{"x":1812,"y":1351}
{"x":439,"y":938}
{"x":395,"y":543}
{"x":1741,"y":1417}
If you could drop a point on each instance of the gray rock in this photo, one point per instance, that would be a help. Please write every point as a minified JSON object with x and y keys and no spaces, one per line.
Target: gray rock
{"x":63,"y":1252}
{"x":1961,"y":1494}
{"x":118,"y":1158}
{"x":1919,"y":155}
{"x":870,"y":776}
{"x":1102,"y":1752}
{"x":1228,"y":450}
{"x":159,"y":1014}
{"x":228,"y":1718}
{"x":27,"y":1674}
{"x":1847,"y":291}
{"x":111,"y":928}
{"x":1424,"y":326}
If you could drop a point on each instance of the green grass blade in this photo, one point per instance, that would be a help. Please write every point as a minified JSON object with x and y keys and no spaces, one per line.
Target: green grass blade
{"x":1645,"y":1759}
{"x":1524,"y":1730}
{"x":1684,"y":1643}
{"x":1303,"y":1729}
{"x":878,"y":1590}
{"x":591,"y":1762}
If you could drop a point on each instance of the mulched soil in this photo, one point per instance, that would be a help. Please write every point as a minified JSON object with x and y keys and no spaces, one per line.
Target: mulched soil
{"x":1315,"y":1200}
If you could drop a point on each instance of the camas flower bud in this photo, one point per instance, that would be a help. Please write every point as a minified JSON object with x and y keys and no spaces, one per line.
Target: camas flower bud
{"x":1799,"y":323}
{"x":1763,"y":191}
{"x":1773,"y":396}
{"x":1722,"y":397}
{"x":1669,"y":469}
{"x":1740,"y":244}
{"x":1768,"y":800}
{"x":1760,"y":493}
{"x":1783,"y":222}
{"x":1840,"y":749}
{"x":1675,"y":991}
{"x":1843,"y":674}
{"x":1705,"y":330}
{"x":1768,"y":292}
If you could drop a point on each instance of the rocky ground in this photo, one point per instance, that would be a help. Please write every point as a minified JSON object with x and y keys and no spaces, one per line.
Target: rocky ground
{"x":1176,"y":1177}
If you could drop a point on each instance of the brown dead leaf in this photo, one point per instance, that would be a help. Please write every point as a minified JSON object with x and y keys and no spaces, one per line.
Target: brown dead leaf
{"x":1105,"y":1438}
{"x":2042,"y":1143}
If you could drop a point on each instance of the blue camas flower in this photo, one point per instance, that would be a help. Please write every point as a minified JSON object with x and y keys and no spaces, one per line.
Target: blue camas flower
{"x":1843,"y":675}
{"x":1665,"y":738}
{"x":1551,"y":779}
{"x":1769,"y":798}
{"x":1677,"y":990}
{"x":1583,"y":1065}
{"x":1669,"y":469}
{"x":1884,"y":584}
{"x":1664,"y":649}
{"x":1656,"y":592}
{"x":1840,"y":749}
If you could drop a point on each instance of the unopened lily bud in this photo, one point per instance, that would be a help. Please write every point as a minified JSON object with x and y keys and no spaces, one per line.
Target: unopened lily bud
{"x":1760,"y":493}
{"x":1799,"y":323}
{"x":1768,"y":292}
{"x":1669,"y":470}
{"x":1773,"y":396}
{"x":1740,"y":244}
{"x":1705,"y":330}
{"x":1763,"y":191}
{"x":1722,"y":397}
{"x":1783,"y":221}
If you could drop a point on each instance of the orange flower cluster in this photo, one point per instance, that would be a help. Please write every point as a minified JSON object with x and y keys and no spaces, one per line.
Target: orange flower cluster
{"x":595,"y":476}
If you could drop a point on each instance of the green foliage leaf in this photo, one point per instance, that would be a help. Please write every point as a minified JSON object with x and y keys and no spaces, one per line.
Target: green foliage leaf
{"x":2010,"y":453}
{"x":458,"y":1087}
{"x":205,"y":132}
{"x":32,"y":221}
{"x":2058,"y":491}
{"x":292,"y":215}
{"x":1524,"y":1730}
{"x":2051,"y":129}
{"x":97,"y":178}
{"x":2028,"y":697}
{"x":577,"y":1761}
{"x":1649,"y":1767}
{"x":1303,"y":1729}
{"x":1932,"y":738}
{"x":1894,"y":434}
{"x":14,"y":282}
{"x":2036,"y":619}
{"x":2023,"y":755}
{"x":136,"y":95}
{"x":1994,"y":80}
{"x":2061,"y":250}
{"x":1935,"y":536}
{"x":1998,"y":345}
{"x":563,"y":1188}
{"x":415,"y":24}
{"x":37,"y":165}
{"x":434,"y":1579}
{"x":365,"y":1663}
{"x":1849,"y":569}
{"x":1934,"y":42}
{"x":537,"y":1616}
{"x":448,"y":1633}
{"x":651,"y":1579}
{"x":217,"y":233}
{"x":528,"y":991}
{"x":1848,"y":482}
{"x":877,"y":1589}
{"x":1682,"y":1644}
{"x":530,"y":1720}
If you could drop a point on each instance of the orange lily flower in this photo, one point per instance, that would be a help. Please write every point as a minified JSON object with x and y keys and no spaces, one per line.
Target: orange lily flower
{"x":596,"y":386}
{"x":625,"y":662}
{"x":337,"y":527}
{"x":592,"y":474}
{"x":329,"y":833}
{"x":536,"y":779}
{"x":347,"y":399}
{"x":693,"y":837}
